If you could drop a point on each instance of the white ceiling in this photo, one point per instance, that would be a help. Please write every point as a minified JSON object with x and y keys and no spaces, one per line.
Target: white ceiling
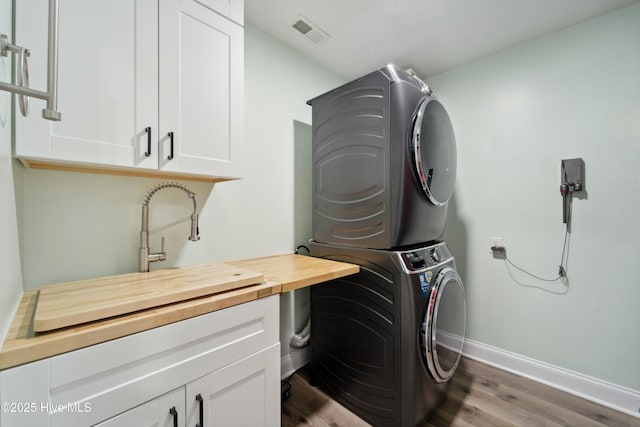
{"x":431,"y":36}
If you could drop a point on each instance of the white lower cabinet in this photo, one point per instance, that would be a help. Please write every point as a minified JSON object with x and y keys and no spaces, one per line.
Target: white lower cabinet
{"x":229,"y":358}
{"x":239,"y":395}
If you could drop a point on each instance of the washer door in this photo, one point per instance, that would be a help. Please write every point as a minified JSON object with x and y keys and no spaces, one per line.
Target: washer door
{"x":433,"y":144}
{"x":444,"y":325}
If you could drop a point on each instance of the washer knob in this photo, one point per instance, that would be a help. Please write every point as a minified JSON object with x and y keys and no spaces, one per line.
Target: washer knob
{"x":435,"y":255}
{"x":417,"y":261}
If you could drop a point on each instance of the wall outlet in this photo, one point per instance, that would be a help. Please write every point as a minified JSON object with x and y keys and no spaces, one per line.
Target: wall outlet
{"x":496,"y":242}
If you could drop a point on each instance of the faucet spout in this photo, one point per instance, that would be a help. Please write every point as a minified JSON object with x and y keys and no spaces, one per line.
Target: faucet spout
{"x":146,"y":256}
{"x":195,"y":230}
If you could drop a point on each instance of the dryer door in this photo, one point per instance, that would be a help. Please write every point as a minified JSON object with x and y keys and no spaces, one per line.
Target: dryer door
{"x":433,"y":145}
{"x":444,"y":325}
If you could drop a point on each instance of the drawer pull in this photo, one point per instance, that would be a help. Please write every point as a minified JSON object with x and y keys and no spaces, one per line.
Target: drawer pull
{"x":201,"y":410}
{"x":170,"y":134}
{"x":174,"y":414}
{"x":148,"y":131}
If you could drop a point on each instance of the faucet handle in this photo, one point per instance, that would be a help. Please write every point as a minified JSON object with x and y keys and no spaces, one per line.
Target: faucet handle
{"x":162,"y":255}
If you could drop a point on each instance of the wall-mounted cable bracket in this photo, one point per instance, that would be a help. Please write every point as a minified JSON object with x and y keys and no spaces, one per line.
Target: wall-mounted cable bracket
{"x":571,"y":180}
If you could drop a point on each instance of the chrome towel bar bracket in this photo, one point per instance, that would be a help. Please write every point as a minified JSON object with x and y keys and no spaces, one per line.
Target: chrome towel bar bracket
{"x":22,"y":88}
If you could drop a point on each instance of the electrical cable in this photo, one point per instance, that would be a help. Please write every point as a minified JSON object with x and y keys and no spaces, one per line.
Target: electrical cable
{"x":563,"y":292}
{"x":562,"y":269}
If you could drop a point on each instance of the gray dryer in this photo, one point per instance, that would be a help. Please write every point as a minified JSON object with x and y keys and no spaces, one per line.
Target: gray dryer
{"x":384,"y":162}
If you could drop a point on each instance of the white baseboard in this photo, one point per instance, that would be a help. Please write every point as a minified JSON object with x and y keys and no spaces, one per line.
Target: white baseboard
{"x":293,"y":361}
{"x":617,"y":397}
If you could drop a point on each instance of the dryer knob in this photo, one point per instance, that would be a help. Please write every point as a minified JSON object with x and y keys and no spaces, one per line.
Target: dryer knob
{"x":416,"y":261}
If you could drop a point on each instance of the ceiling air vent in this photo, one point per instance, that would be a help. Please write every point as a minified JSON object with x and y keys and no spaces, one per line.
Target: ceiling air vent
{"x":310,"y":30}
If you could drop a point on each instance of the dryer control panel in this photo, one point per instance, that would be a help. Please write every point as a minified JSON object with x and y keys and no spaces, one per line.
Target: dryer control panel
{"x":425,"y":258}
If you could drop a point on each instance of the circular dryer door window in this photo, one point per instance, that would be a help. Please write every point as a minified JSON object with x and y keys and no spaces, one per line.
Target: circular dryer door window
{"x":433,"y":145}
{"x":444,"y":325}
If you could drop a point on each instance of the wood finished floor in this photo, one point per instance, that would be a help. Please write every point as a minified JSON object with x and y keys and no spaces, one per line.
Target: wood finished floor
{"x":479,"y":395}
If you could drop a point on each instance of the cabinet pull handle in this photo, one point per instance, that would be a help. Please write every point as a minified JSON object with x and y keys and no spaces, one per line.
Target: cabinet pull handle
{"x":201,"y":410}
{"x":148,"y":131}
{"x":170,"y":157}
{"x":174,"y":414}
{"x":23,"y":71}
{"x":22,"y":88}
{"x":23,"y":79}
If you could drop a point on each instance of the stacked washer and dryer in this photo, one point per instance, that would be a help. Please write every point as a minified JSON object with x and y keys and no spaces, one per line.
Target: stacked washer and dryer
{"x":384,"y":342}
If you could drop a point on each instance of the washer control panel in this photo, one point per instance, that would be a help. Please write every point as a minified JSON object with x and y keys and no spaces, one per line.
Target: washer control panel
{"x":424,"y":258}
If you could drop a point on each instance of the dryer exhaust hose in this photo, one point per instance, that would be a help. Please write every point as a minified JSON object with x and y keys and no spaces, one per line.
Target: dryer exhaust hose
{"x":303,"y":338}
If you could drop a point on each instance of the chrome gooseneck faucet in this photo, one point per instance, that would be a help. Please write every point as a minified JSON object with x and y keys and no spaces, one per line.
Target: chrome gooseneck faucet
{"x":146,"y":257}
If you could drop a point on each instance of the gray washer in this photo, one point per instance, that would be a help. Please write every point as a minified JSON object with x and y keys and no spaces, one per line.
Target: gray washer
{"x":385,"y":341}
{"x":384,"y":162}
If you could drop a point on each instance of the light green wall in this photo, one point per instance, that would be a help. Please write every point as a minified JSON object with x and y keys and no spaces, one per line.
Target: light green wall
{"x":10,"y":272}
{"x":575,"y":93}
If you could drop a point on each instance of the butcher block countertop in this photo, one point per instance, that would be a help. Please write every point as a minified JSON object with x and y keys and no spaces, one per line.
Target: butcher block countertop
{"x":297,"y":271}
{"x":282,"y":273}
{"x":74,"y":303}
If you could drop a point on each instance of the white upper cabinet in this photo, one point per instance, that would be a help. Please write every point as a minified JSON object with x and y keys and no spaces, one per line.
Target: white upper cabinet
{"x":144,"y":85}
{"x":231,"y":9}
{"x":201,"y":89}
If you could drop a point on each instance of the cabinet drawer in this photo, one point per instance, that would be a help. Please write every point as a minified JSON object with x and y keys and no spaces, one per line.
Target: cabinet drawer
{"x":117,"y":375}
{"x":150,"y":414}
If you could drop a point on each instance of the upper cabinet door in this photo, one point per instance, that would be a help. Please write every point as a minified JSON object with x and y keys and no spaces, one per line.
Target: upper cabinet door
{"x":201,"y":89}
{"x":107,"y":82}
{"x":232,"y":9}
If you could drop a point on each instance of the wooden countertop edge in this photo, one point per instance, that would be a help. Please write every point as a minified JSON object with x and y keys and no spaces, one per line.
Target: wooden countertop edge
{"x":298,"y":284}
{"x":287,"y":269}
{"x":282,"y":273}
{"x":18,"y":352}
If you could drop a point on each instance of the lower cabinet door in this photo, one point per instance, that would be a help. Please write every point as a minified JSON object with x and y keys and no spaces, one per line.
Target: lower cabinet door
{"x":165,"y":411}
{"x":243,"y":394}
